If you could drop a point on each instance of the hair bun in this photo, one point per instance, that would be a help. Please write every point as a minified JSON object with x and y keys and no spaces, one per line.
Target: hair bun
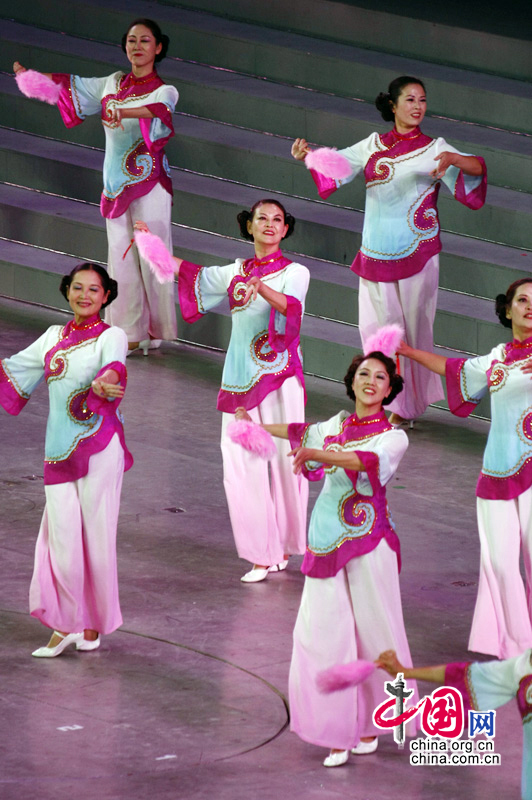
{"x":383,"y":103}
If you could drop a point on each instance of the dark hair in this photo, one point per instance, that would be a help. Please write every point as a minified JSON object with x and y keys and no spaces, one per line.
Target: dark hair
{"x":246,"y":216}
{"x":385,"y":100}
{"x":504,"y":301}
{"x":160,"y":37}
{"x":109,"y":284}
{"x":396,"y":380}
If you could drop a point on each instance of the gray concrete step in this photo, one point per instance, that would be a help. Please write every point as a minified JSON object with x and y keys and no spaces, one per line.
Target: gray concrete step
{"x":204,"y":201}
{"x":402,"y":33}
{"x":75,"y":228}
{"x":342,"y":69}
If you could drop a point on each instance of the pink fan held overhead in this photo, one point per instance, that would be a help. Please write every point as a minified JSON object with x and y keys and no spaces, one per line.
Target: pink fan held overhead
{"x":38,"y":86}
{"x":386,"y":340}
{"x":328,"y":162}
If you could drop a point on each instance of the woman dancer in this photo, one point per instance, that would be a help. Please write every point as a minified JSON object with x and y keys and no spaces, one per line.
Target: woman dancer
{"x":262,"y":372}
{"x":136,"y":111}
{"x":75,"y":586}
{"x":351,"y":602}
{"x":502,"y":619}
{"x":398,"y":260}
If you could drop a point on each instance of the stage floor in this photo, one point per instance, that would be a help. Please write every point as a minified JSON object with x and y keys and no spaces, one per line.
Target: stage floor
{"x":188,"y":698}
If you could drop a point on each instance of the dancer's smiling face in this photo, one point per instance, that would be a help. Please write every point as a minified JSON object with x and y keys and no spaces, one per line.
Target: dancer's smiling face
{"x":410,"y":107}
{"x":268,"y":225}
{"x":371,"y":384}
{"x":520,"y":312}
{"x":86,"y":295}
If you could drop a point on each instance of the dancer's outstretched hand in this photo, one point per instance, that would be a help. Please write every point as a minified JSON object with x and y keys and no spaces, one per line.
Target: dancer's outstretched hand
{"x":107,"y":390}
{"x":300,"y":149}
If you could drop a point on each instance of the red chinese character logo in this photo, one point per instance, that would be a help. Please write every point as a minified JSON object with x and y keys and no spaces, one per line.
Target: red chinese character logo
{"x":442,"y":714}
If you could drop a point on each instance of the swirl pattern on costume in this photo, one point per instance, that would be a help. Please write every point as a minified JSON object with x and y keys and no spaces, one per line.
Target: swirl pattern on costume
{"x":77,"y":406}
{"x":379,"y":169}
{"x":237,"y":292}
{"x":497,"y":377}
{"x":54,"y":366}
{"x":262,"y":350}
{"x":358,"y":513}
{"x":138,"y":163}
{"x":524,"y":698}
{"x":425,"y":216}
{"x":524,"y":426}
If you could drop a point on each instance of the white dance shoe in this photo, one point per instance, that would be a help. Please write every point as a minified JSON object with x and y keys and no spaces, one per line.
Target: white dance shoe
{"x":365,"y":748}
{"x":336,"y":759}
{"x":255,"y":575}
{"x":280,"y":567}
{"x":88,"y":644}
{"x":52,"y":652}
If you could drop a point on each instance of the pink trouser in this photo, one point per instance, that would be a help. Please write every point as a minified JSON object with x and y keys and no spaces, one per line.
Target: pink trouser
{"x":501,"y":622}
{"x":267,"y":502}
{"x":144,"y":307}
{"x":410,"y":303}
{"x":357,"y":614}
{"x":75,"y":582}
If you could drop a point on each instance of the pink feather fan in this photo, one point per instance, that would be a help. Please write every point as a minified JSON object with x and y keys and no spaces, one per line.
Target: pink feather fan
{"x":342,"y":676}
{"x":154,"y":251}
{"x":253,"y":438}
{"x":386,"y":340}
{"x":328,"y":162}
{"x":38,"y":86}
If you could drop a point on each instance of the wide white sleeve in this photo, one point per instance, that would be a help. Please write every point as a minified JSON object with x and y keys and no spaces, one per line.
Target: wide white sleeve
{"x":114,"y":346}
{"x":21,"y":373}
{"x":87,"y":93}
{"x":467,"y":189}
{"x":358,"y":155}
{"x":381,"y":459}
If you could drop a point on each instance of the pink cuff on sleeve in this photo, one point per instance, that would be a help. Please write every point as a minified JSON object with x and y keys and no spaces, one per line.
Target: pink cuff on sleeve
{"x":101,"y":405}
{"x":296,"y":431}
{"x":371,"y":467}
{"x":160,"y":111}
{"x":326,"y":186}
{"x":10,"y":400}
{"x":186,"y":284}
{"x":65,"y":104}
{"x":476,"y":198}
{"x":458,"y":405}
{"x":281,"y":341}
